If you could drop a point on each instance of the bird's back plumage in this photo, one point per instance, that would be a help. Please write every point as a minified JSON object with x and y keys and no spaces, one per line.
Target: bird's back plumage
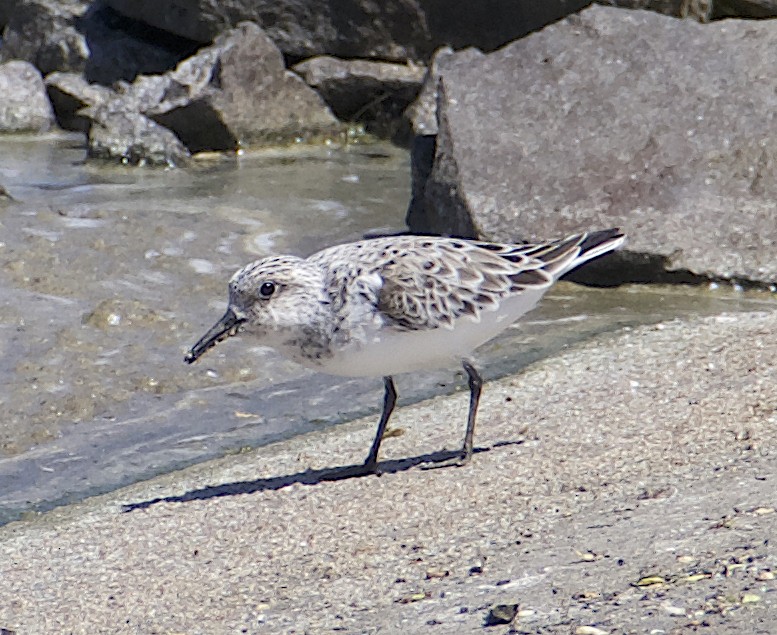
{"x":422,"y":283}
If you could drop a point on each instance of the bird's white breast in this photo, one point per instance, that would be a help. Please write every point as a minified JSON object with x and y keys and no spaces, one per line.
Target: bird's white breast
{"x":388,"y":351}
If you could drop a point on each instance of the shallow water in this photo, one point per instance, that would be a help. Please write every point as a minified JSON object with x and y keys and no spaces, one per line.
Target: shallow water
{"x":108,"y":275}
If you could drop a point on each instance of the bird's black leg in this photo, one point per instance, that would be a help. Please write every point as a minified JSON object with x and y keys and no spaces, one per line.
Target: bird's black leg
{"x":389,"y":399}
{"x":475,"y":385}
{"x":465,"y":454}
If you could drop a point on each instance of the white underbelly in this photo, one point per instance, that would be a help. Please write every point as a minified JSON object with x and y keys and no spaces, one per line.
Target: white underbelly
{"x":390,"y":352}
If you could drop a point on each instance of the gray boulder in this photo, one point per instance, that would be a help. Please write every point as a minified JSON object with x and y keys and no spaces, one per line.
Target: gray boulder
{"x":615,"y":118}
{"x":24,"y":106}
{"x":393,"y":30}
{"x":422,"y":113}
{"x":237,"y":93}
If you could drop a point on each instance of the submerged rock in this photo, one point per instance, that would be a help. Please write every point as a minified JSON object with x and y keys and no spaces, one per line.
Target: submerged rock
{"x":134,"y":139}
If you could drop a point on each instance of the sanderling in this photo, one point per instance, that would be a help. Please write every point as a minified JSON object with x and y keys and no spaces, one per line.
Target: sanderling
{"x":384,"y":306}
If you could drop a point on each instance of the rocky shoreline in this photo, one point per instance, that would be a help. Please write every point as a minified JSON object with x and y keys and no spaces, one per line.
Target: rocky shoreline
{"x":608,"y":117}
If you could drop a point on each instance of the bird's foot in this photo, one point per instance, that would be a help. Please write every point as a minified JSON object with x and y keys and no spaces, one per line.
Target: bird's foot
{"x":370,"y":466}
{"x":457,"y":461}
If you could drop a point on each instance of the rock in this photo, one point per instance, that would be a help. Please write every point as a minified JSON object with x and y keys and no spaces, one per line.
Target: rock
{"x":238,"y":92}
{"x":501,"y":614}
{"x":421,"y":161}
{"x":24,"y":106}
{"x":745,"y":8}
{"x":120,"y":49}
{"x":43,"y":32}
{"x":148,"y":91}
{"x":376,"y":93}
{"x":703,"y":10}
{"x":232,"y":94}
{"x":85,"y":37}
{"x":394,"y":30}
{"x":615,"y":117}
{"x":700,"y":10}
{"x":70,"y":93}
{"x":5,"y":197}
{"x":134,"y":139}
{"x":422,"y":113}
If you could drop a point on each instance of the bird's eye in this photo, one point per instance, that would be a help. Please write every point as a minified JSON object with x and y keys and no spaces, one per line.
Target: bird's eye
{"x":267,"y":289}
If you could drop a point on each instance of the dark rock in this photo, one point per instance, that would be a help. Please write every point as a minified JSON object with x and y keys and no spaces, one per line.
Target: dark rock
{"x":394,"y":30}
{"x":615,"y":118}
{"x":121,"y":49}
{"x":5,"y":196}
{"x":134,"y":139}
{"x":501,"y":614}
{"x":6,"y":11}
{"x":421,"y":161}
{"x":43,"y":32}
{"x":85,"y":37}
{"x":24,"y":106}
{"x":374,"y":93}
{"x":238,"y":92}
{"x":347,"y":28}
{"x":744,"y":8}
{"x":199,"y":124}
{"x":702,"y":10}
{"x":490,"y":25}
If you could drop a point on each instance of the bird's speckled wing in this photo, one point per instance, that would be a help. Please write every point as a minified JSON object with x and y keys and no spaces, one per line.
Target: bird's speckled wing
{"x":417,"y":282}
{"x":447,"y":279}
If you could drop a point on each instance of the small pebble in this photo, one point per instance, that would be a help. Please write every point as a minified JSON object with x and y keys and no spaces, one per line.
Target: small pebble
{"x":590,"y":630}
{"x":501,"y":614}
{"x":674,"y":611}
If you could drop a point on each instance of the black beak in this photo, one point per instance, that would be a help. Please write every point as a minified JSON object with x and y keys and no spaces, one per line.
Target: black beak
{"x":226,"y":327}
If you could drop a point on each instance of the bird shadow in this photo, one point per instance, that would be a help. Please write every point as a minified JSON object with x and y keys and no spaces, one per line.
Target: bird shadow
{"x":312,"y":477}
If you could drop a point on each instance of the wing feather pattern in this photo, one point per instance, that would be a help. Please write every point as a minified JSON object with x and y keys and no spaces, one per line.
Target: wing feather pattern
{"x":453,"y":279}
{"x":430,"y":282}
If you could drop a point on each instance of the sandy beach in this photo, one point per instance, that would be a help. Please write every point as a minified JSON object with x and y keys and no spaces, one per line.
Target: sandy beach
{"x":624,"y":486}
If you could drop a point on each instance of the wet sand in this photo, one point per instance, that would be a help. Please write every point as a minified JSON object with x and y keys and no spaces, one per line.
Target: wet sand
{"x":624,"y":485}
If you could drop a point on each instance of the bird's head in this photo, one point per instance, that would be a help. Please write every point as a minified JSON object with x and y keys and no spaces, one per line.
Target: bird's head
{"x":269,"y":298}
